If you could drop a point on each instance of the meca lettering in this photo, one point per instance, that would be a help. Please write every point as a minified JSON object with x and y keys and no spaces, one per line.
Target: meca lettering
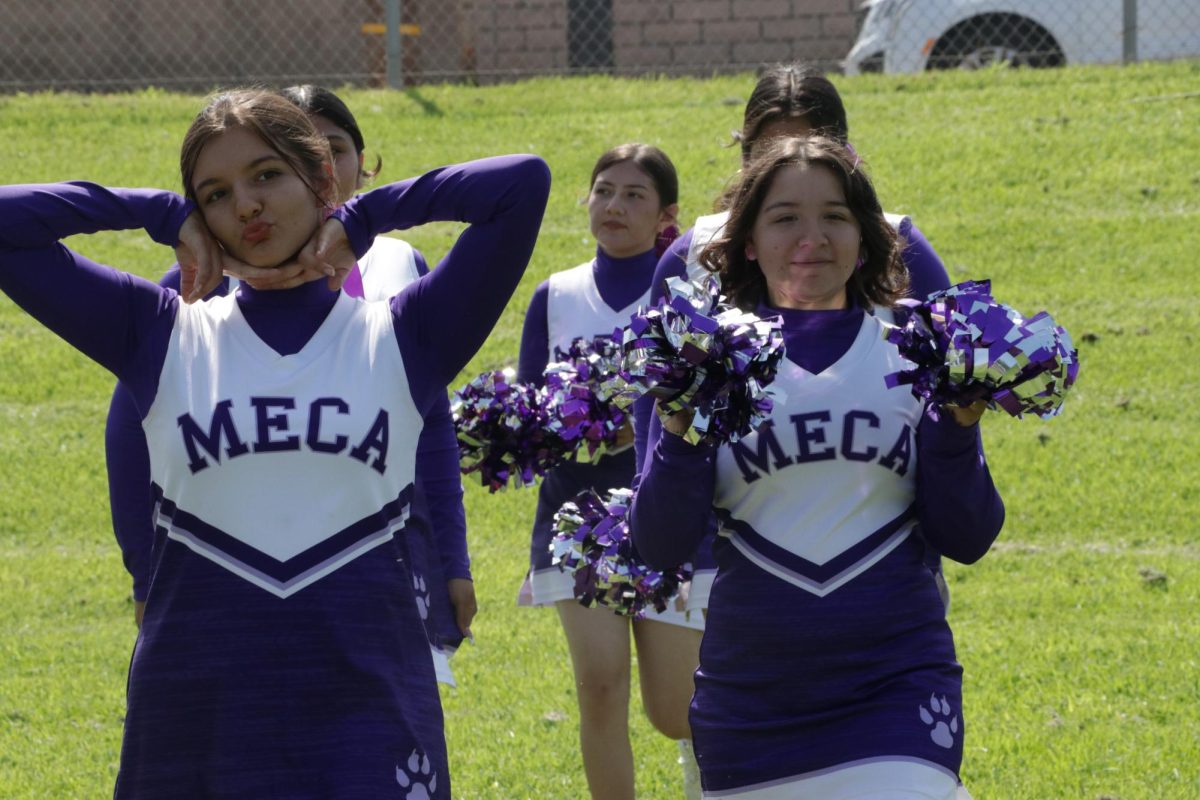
{"x":814,"y":442}
{"x":274,"y":433}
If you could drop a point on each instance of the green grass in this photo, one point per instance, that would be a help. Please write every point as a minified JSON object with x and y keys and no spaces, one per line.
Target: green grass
{"x":1074,"y":190}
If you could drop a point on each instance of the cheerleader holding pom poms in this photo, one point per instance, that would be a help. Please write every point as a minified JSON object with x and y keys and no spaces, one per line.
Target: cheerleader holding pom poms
{"x":632,"y":202}
{"x":787,"y":100}
{"x":828,"y":667}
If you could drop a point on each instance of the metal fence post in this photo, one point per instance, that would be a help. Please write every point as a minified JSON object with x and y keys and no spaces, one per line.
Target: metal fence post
{"x":395,"y":63}
{"x":1129,"y":40}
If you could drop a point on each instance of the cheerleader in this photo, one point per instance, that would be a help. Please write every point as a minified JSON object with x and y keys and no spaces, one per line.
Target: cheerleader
{"x":281,"y":652}
{"x":828,"y":668}
{"x":447,"y":604}
{"x":787,"y":100}
{"x":632,"y":203}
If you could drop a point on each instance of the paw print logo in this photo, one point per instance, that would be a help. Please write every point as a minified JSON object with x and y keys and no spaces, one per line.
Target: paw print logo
{"x":943,"y":726}
{"x":422,"y":595}
{"x":417,"y":776}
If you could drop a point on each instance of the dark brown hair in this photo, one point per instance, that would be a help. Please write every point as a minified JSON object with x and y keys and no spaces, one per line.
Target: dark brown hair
{"x":273,"y":118}
{"x":319,"y":101}
{"x":650,"y":160}
{"x":882,"y":278}
{"x":793,"y":91}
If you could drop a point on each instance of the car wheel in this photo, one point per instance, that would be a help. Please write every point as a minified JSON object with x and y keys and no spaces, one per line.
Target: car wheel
{"x":995,"y":39}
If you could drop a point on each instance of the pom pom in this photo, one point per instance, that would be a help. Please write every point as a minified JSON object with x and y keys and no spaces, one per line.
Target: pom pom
{"x":502,"y":433}
{"x":592,"y":542}
{"x":576,"y":399}
{"x":967,"y":347}
{"x":694,"y":351}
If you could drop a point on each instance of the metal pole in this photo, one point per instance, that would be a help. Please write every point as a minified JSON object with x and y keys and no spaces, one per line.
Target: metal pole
{"x":1129,"y":40}
{"x":395,"y":63}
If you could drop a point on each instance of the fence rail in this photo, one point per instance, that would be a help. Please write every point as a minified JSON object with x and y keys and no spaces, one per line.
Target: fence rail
{"x":107,"y":45}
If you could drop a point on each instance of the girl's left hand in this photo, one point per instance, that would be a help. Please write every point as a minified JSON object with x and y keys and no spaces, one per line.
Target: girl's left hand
{"x":329,"y":253}
{"x":967,"y":416}
{"x":200,"y":257}
{"x":462,"y":597}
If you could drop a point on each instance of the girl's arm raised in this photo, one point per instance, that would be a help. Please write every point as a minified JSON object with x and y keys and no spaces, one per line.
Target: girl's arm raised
{"x":535,"y":338}
{"x":443,"y":318}
{"x":101,"y":312}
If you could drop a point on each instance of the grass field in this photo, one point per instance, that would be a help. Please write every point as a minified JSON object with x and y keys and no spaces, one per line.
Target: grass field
{"x":1077,"y":191}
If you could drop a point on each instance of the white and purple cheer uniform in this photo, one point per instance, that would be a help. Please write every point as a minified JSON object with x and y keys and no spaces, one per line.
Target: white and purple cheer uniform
{"x":593,"y":299}
{"x":682,"y":259}
{"x":826,"y":644}
{"x":389,"y":266}
{"x":282,"y":653}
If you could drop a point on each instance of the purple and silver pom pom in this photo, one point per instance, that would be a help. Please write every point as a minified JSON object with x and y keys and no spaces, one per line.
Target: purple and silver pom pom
{"x":694,"y":351}
{"x":966,"y":347}
{"x":592,"y":542}
{"x":501,"y":428}
{"x":576,"y":399}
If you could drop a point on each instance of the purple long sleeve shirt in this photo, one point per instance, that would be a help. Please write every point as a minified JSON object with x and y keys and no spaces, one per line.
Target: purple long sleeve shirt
{"x":229,"y":683}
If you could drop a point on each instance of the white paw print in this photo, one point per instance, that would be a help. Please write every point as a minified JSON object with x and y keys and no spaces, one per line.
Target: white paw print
{"x":418,"y":777}
{"x":943,"y":731}
{"x":422,"y":595}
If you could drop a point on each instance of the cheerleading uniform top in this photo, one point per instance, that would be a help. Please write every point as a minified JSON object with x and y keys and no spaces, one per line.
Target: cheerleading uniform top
{"x":437,"y":538}
{"x":278,"y":658}
{"x":389,"y":266}
{"x":826,"y":641}
{"x":592,"y":299}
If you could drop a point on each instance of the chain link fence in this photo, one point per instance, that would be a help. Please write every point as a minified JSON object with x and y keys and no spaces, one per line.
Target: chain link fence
{"x":111,"y":45}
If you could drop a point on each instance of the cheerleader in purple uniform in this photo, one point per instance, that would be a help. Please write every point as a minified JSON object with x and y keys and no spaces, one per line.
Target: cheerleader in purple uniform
{"x":282,"y":652}
{"x":827,"y":668}
{"x":440,"y":564}
{"x":787,"y":100}
{"x":631,"y":203}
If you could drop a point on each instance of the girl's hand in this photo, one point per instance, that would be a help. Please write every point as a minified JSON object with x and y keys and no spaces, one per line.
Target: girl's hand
{"x":330,"y":253}
{"x":285,"y":276}
{"x":200,"y":257}
{"x":462,"y":597}
{"x":624,"y":435}
{"x":677,"y":423}
{"x":967,"y":416}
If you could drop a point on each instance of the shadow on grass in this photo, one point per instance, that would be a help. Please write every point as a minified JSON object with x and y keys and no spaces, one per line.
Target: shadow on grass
{"x":428,"y":107}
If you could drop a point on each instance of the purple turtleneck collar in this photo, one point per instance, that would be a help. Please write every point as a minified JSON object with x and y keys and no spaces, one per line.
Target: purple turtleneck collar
{"x":816,"y":339}
{"x":621,"y":281}
{"x":285,"y":319}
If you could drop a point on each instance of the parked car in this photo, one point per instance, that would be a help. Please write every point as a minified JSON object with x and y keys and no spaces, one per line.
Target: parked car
{"x":916,"y":35}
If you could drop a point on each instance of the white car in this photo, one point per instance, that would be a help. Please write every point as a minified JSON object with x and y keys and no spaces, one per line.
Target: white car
{"x":916,"y":35}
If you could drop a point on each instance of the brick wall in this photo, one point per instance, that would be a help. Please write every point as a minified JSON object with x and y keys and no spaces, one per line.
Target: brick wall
{"x":106,"y":45}
{"x":671,"y":36}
